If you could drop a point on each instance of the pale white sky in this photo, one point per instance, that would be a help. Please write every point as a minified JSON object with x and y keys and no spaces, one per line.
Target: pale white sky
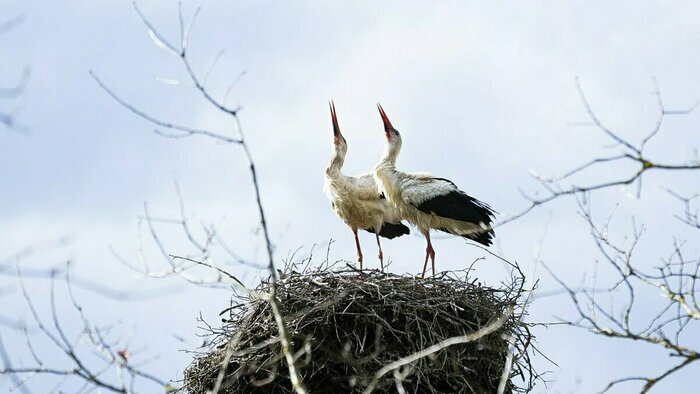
{"x":482,"y":93}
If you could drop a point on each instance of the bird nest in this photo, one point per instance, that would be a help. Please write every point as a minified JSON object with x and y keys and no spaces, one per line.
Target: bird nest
{"x":348,"y":327}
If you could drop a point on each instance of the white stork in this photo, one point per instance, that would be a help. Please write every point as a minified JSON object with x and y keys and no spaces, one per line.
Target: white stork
{"x":356,"y":199}
{"x":429,"y":202}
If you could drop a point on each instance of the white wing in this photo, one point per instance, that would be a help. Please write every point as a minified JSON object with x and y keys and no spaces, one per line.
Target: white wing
{"x":417,"y":188}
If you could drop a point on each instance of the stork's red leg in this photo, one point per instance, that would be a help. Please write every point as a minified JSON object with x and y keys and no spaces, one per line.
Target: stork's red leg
{"x":432,"y":257}
{"x":357,"y":245}
{"x":381,"y":255}
{"x":429,"y":253}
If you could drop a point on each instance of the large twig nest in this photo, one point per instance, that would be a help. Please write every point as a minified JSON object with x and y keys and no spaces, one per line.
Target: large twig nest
{"x":347,"y":325}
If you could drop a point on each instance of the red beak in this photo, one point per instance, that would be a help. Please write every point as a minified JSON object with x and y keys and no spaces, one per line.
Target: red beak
{"x":387,"y":124}
{"x":336,"y":128}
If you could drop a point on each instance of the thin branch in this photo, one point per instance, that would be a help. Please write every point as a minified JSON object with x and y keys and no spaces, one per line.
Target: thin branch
{"x":187,"y":131}
{"x":11,"y":23}
{"x":486,"y":330}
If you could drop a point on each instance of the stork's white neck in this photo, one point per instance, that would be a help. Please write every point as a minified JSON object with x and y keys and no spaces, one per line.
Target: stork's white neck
{"x":385,"y":173}
{"x":391,"y":152}
{"x":336,"y":162}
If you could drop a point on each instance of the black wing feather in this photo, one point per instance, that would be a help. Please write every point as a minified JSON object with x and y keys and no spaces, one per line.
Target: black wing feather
{"x":460,"y":206}
{"x":391,"y":230}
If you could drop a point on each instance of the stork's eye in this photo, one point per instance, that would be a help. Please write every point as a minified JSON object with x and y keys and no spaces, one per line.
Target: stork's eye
{"x":396,"y":132}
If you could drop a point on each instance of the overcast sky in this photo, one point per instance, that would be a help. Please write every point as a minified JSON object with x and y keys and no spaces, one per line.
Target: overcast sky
{"x":482,"y":93}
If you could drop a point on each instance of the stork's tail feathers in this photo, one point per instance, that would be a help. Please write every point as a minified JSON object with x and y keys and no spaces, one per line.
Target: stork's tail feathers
{"x":391,"y":230}
{"x":484,"y":237}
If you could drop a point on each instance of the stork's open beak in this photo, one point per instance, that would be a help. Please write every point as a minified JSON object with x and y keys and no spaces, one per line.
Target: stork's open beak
{"x":387,"y":124}
{"x":336,"y":128}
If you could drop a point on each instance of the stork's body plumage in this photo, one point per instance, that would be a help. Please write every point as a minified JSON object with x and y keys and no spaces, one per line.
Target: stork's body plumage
{"x":357,"y":200}
{"x":429,"y":202}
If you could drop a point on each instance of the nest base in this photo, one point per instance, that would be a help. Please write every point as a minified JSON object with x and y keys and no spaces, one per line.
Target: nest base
{"x":347,"y":325}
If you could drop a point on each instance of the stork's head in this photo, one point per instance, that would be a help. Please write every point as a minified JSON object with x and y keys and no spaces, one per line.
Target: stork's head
{"x":389,"y":130}
{"x":393,"y":137}
{"x":339,"y":142}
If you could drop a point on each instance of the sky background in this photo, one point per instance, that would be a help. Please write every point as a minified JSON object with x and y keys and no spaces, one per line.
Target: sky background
{"x":483,"y":93}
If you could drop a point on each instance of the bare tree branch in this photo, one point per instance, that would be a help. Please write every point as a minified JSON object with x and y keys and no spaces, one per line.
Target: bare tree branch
{"x":8,"y":118}
{"x":182,"y":53}
{"x":553,"y":187}
{"x":110,"y":358}
{"x":676,"y":280}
